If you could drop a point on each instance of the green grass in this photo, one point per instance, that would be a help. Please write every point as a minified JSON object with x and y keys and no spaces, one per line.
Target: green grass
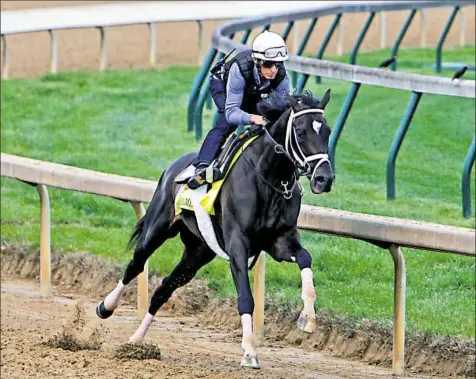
{"x":133,"y":123}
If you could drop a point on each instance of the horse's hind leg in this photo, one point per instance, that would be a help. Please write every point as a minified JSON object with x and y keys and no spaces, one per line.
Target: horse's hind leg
{"x":196,"y":255}
{"x":153,"y":230}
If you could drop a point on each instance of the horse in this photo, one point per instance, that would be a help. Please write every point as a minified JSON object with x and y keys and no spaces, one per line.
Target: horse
{"x":256,"y":210}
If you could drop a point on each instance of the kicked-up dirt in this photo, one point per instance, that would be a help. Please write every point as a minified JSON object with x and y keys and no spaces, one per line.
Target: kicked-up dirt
{"x":193,"y":336}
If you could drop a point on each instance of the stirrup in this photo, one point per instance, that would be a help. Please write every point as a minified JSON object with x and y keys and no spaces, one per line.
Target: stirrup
{"x":207,"y":175}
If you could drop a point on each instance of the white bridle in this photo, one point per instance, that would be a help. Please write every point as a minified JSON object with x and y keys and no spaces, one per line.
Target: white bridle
{"x":302,"y":161}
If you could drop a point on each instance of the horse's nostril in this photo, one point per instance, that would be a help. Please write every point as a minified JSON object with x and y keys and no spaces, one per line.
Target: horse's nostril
{"x":320,"y":179}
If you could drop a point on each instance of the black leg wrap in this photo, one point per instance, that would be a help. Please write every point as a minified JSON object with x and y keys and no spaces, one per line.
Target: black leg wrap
{"x":303,"y":259}
{"x":102,"y":312}
{"x":245,"y":305}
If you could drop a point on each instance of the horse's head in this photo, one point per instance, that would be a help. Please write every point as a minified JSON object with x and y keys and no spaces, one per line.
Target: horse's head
{"x":307,"y":139}
{"x":299,"y":122}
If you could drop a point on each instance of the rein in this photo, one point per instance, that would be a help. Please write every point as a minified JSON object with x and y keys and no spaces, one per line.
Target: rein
{"x":295,"y":156}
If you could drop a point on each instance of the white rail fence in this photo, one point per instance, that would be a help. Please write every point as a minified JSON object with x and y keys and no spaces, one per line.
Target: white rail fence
{"x":386,"y":232}
{"x":117,"y":14}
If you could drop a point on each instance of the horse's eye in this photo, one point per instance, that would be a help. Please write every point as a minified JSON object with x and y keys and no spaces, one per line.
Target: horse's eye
{"x":299,"y":133}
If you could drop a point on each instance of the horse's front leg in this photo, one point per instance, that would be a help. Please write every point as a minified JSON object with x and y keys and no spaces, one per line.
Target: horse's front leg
{"x":307,"y":318}
{"x":239,"y":269}
{"x":288,"y":248}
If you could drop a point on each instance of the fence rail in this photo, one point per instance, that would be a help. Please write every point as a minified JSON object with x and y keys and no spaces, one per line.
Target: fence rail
{"x":110,"y":15}
{"x":385,"y":232}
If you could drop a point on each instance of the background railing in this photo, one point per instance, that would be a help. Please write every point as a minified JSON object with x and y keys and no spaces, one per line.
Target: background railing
{"x":385,"y":232}
{"x":417,"y":84}
{"x":105,"y":16}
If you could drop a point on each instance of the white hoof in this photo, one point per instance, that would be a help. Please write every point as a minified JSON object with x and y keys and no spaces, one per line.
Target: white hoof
{"x":135,"y":339}
{"x":250,"y":361}
{"x":306,"y":324}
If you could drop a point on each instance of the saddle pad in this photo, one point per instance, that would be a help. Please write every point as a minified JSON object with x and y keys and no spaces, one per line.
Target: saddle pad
{"x":204,"y":221}
{"x":208,"y":201}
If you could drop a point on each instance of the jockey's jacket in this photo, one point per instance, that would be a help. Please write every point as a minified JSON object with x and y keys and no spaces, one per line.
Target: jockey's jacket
{"x":256,"y":87}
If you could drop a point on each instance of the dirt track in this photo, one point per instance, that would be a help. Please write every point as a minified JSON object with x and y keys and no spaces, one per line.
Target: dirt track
{"x":198,"y":337}
{"x":189,"y":350}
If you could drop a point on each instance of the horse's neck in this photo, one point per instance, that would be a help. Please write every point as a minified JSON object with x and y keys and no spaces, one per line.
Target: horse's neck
{"x":278,"y":129}
{"x":270,"y":162}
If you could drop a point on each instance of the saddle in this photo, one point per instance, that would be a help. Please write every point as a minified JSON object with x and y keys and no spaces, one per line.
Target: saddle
{"x":218,"y":169}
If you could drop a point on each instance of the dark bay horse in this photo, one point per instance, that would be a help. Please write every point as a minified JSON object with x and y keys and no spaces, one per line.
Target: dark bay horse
{"x":256,"y":210}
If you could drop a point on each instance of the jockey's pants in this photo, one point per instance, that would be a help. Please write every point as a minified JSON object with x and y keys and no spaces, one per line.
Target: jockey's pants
{"x":221,"y":130}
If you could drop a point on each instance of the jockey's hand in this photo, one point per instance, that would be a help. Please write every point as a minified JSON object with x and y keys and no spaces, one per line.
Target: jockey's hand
{"x":258,"y":120}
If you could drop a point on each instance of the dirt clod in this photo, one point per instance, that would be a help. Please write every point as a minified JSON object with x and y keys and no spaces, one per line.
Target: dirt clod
{"x":138,"y":351}
{"x":71,"y":335}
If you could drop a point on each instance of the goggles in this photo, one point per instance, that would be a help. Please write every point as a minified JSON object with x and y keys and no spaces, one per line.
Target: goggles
{"x":273,"y":52}
{"x":269,"y":64}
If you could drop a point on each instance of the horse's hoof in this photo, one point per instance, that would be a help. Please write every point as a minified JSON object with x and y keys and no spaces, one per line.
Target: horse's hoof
{"x":102,"y":312}
{"x":306,"y":324}
{"x":250,"y":361}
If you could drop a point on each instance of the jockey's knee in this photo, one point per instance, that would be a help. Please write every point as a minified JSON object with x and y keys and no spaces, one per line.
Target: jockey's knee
{"x":303,"y":259}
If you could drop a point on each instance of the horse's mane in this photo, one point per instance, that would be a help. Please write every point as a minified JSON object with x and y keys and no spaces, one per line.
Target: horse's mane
{"x":273,"y":106}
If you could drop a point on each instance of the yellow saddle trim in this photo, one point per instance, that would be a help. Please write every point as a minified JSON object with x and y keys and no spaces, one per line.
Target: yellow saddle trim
{"x":208,"y":200}
{"x":183,"y":200}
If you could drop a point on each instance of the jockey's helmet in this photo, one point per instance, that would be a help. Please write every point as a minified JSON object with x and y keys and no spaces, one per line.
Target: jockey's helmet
{"x":269,"y":47}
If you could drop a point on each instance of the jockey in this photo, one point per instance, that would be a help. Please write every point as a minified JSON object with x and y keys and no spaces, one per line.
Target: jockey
{"x":236,"y":88}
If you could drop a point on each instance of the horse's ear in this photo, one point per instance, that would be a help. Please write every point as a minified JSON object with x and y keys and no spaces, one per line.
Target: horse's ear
{"x":291,"y":100}
{"x":325,"y":99}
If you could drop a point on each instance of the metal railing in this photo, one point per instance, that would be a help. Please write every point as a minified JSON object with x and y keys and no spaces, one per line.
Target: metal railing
{"x":357,"y":75}
{"x":385,"y":232}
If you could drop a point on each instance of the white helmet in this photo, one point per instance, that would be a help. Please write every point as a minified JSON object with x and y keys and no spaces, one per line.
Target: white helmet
{"x":269,"y":46}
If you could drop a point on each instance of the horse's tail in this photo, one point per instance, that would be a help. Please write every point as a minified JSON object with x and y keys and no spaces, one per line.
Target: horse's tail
{"x":138,"y":229}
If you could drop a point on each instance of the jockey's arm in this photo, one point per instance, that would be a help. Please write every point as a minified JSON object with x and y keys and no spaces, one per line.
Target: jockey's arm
{"x":234,"y":97}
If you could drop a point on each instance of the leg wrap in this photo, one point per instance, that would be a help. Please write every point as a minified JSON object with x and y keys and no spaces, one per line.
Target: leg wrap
{"x":303,"y":259}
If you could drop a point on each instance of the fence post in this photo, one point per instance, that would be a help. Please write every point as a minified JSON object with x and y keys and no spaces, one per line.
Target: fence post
{"x":54,"y":52}
{"x":400,"y":37}
{"x":45,"y":241}
{"x":339,"y":125}
{"x":397,"y":142}
{"x":383,"y":30}
{"x":466,"y":182}
{"x":398,"y":359}
{"x":103,"y":49}
{"x":340,"y":39}
{"x":360,"y":38}
{"x":5,"y":62}
{"x":258,"y":295}
{"x":143,"y":278}
{"x":197,"y":84}
{"x":462,"y":27}
{"x":302,"y":46}
{"x":303,"y":79}
{"x":441,"y":41}
{"x":200,"y":43}
{"x":423,"y":28}
{"x":153,"y":44}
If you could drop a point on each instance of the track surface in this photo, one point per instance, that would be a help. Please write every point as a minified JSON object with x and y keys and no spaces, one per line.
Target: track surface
{"x":189,"y":350}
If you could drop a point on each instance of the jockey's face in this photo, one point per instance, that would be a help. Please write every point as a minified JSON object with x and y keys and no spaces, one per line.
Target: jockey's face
{"x":269,"y":69}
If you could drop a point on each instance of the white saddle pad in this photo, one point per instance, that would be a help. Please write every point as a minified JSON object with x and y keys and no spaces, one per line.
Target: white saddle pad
{"x":205,"y":225}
